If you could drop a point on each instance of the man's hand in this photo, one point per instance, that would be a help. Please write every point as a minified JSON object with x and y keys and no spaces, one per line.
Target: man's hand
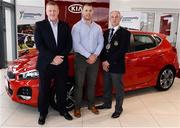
{"x":92,"y":59}
{"x":105,"y":65}
{"x":57,"y":60}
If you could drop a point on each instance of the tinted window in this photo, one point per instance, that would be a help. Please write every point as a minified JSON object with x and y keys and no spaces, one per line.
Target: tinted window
{"x":141,"y":42}
{"x":132,"y":46}
{"x":158,"y":39}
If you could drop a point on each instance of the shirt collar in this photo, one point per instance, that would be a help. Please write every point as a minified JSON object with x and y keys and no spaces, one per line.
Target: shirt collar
{"x":85,"y":22}
{"x":116,"y":28}
{"x":53,"y":23}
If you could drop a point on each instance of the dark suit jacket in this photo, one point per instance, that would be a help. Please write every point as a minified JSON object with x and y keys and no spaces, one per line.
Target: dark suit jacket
{"x":116,"y":54}
{"x":46,"y":44}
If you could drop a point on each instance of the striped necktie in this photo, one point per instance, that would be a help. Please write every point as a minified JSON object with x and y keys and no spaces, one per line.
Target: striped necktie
{"x":111,"y":34}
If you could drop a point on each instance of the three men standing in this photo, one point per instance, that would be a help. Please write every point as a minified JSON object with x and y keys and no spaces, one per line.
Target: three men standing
{"x":87,"y":43}
{"x":54,"y":42}
{"x":116,"y":44}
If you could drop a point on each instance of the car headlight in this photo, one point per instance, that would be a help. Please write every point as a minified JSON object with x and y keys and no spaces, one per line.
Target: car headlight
{"x":32,"y":74}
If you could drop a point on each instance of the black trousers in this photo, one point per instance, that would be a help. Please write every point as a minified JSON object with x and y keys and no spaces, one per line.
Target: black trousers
{"x":58,"y":74}
{"x":110,"y":80}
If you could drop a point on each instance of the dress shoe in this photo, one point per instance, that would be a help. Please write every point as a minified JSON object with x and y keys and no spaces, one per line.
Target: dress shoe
{"x":94,"y":110}
{"x":116,"y":114}
{"x":66,"y":115}
{"x":103,"y":107}
{"x":41,"y":120}
{"x":77,"y":112}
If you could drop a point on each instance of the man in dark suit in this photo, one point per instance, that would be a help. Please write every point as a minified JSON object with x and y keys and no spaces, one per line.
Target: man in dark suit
{"x":54,"y":42}
{"x":116,"y":44}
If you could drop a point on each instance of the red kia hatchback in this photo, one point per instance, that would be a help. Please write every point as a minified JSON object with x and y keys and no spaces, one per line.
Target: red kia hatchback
{"x":151,"y":61}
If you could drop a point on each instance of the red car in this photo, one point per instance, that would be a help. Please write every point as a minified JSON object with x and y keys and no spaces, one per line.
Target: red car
{"x":151,"y":61}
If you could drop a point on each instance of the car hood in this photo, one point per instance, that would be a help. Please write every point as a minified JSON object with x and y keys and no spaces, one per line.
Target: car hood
{"x":24,"y":63}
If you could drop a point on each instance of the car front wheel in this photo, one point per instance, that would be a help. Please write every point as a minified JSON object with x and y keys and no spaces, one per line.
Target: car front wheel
{"x":165,"y":79}
{"x":69,"y":100}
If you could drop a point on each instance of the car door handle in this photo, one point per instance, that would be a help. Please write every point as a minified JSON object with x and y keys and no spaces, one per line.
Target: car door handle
{"x":132,"y":60}
{"x":146,"y":57}
{"x":161,"y":55}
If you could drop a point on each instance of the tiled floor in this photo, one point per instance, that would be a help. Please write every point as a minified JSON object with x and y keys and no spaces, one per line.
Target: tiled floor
{"x":142,"y":108}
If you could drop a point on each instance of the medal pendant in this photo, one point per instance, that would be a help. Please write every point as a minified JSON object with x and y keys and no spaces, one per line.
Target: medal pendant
{"x":115,"y":43}
{"x":108,"y":46}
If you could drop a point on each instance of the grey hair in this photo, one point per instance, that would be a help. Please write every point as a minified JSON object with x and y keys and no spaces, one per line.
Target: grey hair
{"x":118,"y":12}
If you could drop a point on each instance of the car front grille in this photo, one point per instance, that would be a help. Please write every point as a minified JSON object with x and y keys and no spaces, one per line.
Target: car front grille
{"x":11,"y":75}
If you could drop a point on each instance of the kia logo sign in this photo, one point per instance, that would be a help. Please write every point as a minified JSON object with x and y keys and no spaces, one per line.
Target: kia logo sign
{"x":75,"y":8}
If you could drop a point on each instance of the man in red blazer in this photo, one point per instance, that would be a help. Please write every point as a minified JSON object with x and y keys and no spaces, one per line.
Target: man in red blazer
{"x":54,"y":42}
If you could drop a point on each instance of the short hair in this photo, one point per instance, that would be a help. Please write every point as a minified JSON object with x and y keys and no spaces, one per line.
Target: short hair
{"x":52,"y":3}
{"x":87,"y":4}
{"x":118,"y":12}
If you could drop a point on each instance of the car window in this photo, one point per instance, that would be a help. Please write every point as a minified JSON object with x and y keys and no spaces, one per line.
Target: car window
{"x":141,"y":42}
{"x":132,"y":45}
{"x":158,"y":39}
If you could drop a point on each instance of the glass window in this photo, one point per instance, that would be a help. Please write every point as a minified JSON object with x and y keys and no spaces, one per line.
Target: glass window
{"x":132,"y":45}
{"x":147,"y":21}
{"x":158,"y":39}
{"x":7,"y":28}
{"x":10,"y":40}
{"x":8,"y":33}
{"x":169,"y":26}
{"x":142,"y":42}
{"x":9,"y":1}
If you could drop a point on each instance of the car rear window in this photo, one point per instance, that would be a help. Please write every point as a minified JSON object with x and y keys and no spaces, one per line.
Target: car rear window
{"x":141,"y":42}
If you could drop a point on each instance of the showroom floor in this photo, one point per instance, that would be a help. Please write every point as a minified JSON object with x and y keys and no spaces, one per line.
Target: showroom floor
{"x":142,"y":108}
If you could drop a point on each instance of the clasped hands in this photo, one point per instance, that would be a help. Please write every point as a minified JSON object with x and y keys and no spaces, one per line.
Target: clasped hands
{"x":57,"y":60}
{"x":92,"y":59}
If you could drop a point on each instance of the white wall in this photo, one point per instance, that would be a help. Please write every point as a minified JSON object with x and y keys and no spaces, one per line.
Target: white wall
{"x":39,"y":3}
{"x":163,"y":5}
{"x":126,"y":5}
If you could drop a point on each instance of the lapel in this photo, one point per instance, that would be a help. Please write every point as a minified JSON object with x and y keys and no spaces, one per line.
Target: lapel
{"x":52,"y":40}
{"x":106,"y":36}
{"x":59,"y":33}
{"x":115,"y":34}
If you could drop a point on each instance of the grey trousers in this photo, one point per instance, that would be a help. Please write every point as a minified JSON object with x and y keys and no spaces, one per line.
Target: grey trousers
{"x":88,"y":72}
{"x":116,"y":80}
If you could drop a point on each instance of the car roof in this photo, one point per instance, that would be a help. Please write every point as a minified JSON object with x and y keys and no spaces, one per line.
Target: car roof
{"x":147,"y":33}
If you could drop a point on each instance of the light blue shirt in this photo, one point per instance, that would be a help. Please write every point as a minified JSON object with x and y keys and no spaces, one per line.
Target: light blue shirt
{"x":54,"y":26}
{"x":87,"y":38}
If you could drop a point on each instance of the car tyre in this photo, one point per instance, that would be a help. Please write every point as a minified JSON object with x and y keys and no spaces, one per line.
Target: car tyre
{"x":165,"y":79}
{"x":69,"y":99}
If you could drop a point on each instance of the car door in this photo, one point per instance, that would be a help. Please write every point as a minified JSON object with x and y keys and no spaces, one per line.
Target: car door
{"x":140,"y":61}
